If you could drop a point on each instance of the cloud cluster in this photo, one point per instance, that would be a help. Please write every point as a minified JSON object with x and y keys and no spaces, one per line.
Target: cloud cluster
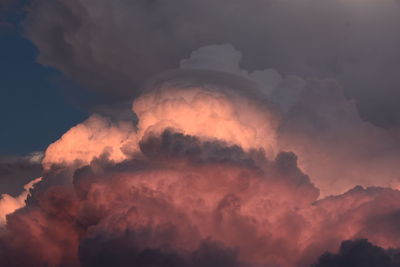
{"x":317,"y":122}
{"x":167,"y":191}
{"x":330,"y":67}
{"x":113,"y":47}
{"x":202,"y":112}
{"x":230,"y":158}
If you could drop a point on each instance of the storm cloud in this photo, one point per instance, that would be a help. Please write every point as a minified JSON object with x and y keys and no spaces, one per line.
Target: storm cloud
{"x":114,"y":47}
{"x":192,"y":183}
{"x":227,"y":133}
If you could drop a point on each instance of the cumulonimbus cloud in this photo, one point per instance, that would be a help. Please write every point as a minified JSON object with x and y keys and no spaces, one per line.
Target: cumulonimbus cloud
{"x":113,"y":47}
{"x":252,"y":158}
{"x":193,"y":183}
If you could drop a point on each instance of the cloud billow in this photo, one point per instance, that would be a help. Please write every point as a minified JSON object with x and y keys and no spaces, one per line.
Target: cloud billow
{"x":113,"y":47}
{"x":253,"y":142}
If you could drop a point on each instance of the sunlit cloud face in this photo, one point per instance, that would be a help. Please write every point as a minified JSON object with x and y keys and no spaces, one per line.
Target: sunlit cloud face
{"x":9,"y":204}
{"x":208,"y":115}
{"x":88,"y":140}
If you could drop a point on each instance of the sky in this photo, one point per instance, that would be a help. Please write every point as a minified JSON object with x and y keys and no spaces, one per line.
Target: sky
{"x":34,"y":111}
{"x":199,"y":133}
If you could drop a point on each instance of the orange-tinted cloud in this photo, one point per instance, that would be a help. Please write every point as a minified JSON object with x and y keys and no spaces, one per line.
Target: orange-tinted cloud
{"x":194,"y":183}
{"x":9,"y":204}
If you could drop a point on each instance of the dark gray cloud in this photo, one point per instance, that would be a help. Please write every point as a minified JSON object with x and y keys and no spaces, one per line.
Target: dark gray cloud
{"x":16,"y":171}
{"x":100,"y":251}
{"x":116,"y":46}
{"x":185,"y":147}
{"x":3,"y":5}
{"x":6,"y":4}
{"x":360,"y":253}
